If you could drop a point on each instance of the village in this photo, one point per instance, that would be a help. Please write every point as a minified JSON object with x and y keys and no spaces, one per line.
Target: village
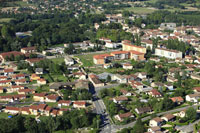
{"x":152,"y":76}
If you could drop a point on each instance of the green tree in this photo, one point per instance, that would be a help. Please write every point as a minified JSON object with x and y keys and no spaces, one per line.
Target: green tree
{"x":191,"y":113}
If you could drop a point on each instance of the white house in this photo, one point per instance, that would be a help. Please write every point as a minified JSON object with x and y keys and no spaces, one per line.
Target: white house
{"x":69,"y":61}
{"x":155,"y":122}
{"x":111,"y":45}
{"x":168,"y":53}
{"x":119,"y":78}
{"x":192,"y":97}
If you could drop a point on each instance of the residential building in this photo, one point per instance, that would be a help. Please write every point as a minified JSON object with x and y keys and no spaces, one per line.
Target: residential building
{"x":155,"y":122}
{"x":120,"y":55}
{"x":178,"y":100}
{"x":64,"y":103}
{"x":168,"y":117}
{"x":39,"y":71}
{"x":39,"y":97}
{"x":4,"y":55}
{"x":131,"y":47}
{"x":143,"y":110}
{"x":28,"y":50}
{"x":102,"y":59}
{"x":79,"y":104}
{"x":69,"y":61}
{"x":192,"y":97}
{"x":167,"y":53}
{"x":123,"y":116}
{"x":120,"y":99}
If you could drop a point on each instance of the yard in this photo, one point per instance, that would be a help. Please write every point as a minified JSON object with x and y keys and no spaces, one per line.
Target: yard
{"x":5,"y":20}
{"x":4,"y":115}
{"x":141,"y":10}
{"x":58,"y":60}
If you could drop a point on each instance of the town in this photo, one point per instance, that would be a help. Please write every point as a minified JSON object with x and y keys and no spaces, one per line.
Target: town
{"x":87,"y":71}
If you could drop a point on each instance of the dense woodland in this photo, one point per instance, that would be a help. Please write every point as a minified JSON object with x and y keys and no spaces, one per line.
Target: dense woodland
{"x":70,"y":120}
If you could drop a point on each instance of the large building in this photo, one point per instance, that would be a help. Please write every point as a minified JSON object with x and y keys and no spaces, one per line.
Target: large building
{"x":131,"y":47}
{"x":171,"y":54}
{"x":102,"y":59}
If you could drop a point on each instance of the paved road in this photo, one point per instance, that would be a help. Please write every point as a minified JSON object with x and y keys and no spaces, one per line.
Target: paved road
{"x":97,"y":89}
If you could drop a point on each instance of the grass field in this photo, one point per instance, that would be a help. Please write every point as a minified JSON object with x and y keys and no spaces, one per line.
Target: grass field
{"x":4,"y":115}
{"x":5,"y":20}
{"x":141,"y":10}
{"x":58,"y":60}
{"x":87,"y":60}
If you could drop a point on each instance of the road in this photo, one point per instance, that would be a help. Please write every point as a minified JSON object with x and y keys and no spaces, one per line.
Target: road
{"x":97,"y":89}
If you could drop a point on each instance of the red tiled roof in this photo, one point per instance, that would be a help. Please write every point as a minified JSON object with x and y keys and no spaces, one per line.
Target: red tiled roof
{"x":34,"y":60}
{"x":177,"y":99}
{"x":125,"y":115}
{"x":15,"y":53}
{"x":119,"y":52}
{"x":20,"y":80}
{"x":64,"y":101}
{"x":52,"y":97}
{"x":8,"y":70}
{"x":18,"y":75}
{"x":155,"y":92}
{"x":197,"y":89}
{"x":12,"y":108}
{"x":29,"y":48}
{"x":136,"y":52}
{"x":25,"y":90}
{"x":102,"y":56}
{"x":40,"y":94}
{"x":80,"y":102}
{"x":5,"y":81}
{"x":42,"y":106}
{"x":121,"y":98}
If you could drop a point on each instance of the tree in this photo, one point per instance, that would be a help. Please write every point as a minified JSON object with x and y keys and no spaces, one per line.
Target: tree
{"x":108,"y":79}
{"x":7,"y":32}
{"x":191,"y":113}
{"x":138,"y":127}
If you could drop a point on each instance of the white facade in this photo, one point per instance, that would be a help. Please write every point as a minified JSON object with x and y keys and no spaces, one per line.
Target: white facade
{"x":171,"y":54}
{"x":111,"y":45}
{"x":69,"y":61}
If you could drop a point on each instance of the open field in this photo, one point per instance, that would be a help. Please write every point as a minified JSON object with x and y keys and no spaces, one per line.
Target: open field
{"x":58,"y":60}
{"x":5,"y":20}
{"x":141,"y":10}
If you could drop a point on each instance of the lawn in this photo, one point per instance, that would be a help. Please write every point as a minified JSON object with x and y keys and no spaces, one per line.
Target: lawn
{"x":4,"y":115}
{"x":52,"y":104}
{"x":5,"y":20}
{"x":87,"y":59}
{"x":6,"y":94}
{"x":141,"y":10}
{"x":58,"y":60}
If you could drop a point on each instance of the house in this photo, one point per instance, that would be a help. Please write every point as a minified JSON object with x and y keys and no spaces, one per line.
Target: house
{"x":2,"y":90}
{"x":6,"y":83}
{"x":54,"y":112}
{"x":79,"y":104}
{"x":79,"y":75}
{"x":102,"y":59}
{"x":123,"y":116}
{"x":12,"y":110}
{"x":120,"y":55}
{"x":178,"y":100}
{"x":47,"y":111}
{"x":64,"y":103}
{"x":5,"y":55}
{"x":42,"y":81}
{"x":8,"y":72}
{"x":171,"y":79}
{"x":125,"y":92}
{"x":131,"y":47}
{"x":120,"y":99}
{"x":196,"y":89}
{"x":7,"y":98}
{"x":26,"y":91}
{"x":141,"y":75}
{"x":154,"y":129}
{"x":28,"y":50}
{"x":95,"y":80}
{"x":52,"y":98}
{"x":15,"y":88}
{"x":156,"y":122}
{"x":39,"y":71}
{"x":3,"y":78}
{"x":136,"y":84}
{"x":32,"y":61}
{"x":105,"y":39}
{"x":127,"y":66}
{"x":18,"y":76}
{"x":169,"y":86}
{"x":148,"y":43}
{"x":25,"y":110}
{"x":192,"y":97}
{"x":138,"y":56}
{"x":21,"y":81}
{"x":168,"y":53}
{"x":41,"y":108}
{"x":181,"y":114}
{"x":19,"y":97}
{"x":82,"y":84}
{"x":34,"y":77}
{"x":143,"y":110}
{"x":39,"y":97}
{"x":110,"y":45}
{"x":119,"y":78}
{"x":168,"y":117}
{"x":167,"y":26}
{"x":195,"y":76}
{"x":69,"y":61}
{"x":34,"y":109}
{"x":154,"y":93}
